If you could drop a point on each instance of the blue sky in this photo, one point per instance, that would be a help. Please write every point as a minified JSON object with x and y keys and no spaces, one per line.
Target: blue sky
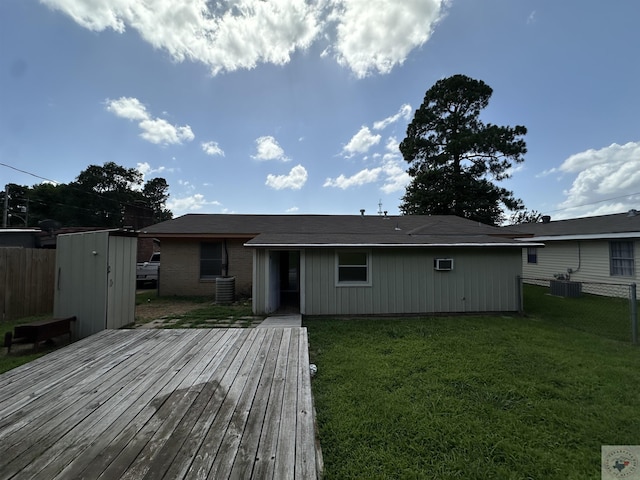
{"x":294,"y":106}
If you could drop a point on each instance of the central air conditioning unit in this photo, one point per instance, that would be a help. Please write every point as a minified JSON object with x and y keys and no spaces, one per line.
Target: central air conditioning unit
{"x":565,"y":288}
{"x":443,"y":264}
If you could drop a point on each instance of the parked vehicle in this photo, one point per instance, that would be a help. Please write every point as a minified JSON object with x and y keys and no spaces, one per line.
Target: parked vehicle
{"x":147,"y":272}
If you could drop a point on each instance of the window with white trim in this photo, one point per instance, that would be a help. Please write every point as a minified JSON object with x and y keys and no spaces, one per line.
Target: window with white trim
{"x":353,"y":268}
{"x":621,"y":261}
{"x":532,"y":254}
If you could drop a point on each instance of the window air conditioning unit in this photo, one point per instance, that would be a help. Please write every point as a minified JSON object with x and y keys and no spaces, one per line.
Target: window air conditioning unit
{"x":443,"y":264}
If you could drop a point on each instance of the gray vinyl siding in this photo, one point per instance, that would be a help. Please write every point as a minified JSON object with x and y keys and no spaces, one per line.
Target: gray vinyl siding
{"x":259,"y":289}
{"x":403,"y":281}
{"x":588,"y":260}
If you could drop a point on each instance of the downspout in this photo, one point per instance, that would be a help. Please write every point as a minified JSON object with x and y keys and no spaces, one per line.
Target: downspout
{"x":225,"y":262}
{"x":571,"y":271}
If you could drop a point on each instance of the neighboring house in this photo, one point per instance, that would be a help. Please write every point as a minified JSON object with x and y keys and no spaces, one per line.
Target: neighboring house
{"x":343,"y":264}
{"x":598,"y":249}
{"x":19,"y":237}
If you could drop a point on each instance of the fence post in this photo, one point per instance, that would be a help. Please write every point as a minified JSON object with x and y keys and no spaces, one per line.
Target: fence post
{"x":634,"y":314}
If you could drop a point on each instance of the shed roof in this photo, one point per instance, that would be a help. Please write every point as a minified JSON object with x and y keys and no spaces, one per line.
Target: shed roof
{"x":334,"y":230}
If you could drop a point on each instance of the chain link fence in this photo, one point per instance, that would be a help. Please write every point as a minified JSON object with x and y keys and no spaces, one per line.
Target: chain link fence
{"x":604,"y":309}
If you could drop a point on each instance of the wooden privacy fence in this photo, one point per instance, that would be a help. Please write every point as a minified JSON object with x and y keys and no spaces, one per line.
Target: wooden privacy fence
{"x":27,"y":277}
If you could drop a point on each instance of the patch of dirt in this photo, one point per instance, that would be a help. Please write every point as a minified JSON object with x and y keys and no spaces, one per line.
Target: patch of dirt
{"x":154,"y":310}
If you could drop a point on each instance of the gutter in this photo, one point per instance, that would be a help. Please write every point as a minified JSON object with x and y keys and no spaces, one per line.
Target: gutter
{"x":590,"y":236}
{"x":518,"y":244}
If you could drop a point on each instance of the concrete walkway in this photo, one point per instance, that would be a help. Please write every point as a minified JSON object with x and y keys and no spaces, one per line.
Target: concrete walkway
{"x":286,"y":321}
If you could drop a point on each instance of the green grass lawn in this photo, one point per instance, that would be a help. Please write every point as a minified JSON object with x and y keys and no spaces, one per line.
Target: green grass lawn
{"x":530,"y":397}
{"x":470,"y":398}
{"x":608,"y":317}
{"x":12,"y":360}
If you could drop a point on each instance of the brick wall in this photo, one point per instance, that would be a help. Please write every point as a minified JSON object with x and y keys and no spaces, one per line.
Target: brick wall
{"x":180,"y":268}
{"x":146,"y":247}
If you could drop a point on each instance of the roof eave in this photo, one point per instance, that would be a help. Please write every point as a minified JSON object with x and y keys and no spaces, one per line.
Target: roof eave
{"x":394,"y":245}
{"x":590,"y":236}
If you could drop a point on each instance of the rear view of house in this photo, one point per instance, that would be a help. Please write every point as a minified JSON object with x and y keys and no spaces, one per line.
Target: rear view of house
{"x":598,"y":249}
{"x":343,"y":264}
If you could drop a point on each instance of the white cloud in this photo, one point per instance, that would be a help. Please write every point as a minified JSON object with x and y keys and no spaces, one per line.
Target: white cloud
{"x":212,"y":148}
{"x":292,"y":210}
{"x":366,"y":36}
{"x":154,"y":130}
{"x":377,"y":35}
{"x":396,"y":177}
{"x":146,"y":169}
{"x":128,"y":107}
{"x":607,"y":180}
{"x":268,"y":149}
{"x":363,"y":177}
{"x":404,"y":113}
{"x":161,"y":132}
{"x":546,"y":173}
{"x":192,"y":203}
{"x":295,"y":180}
{"x":391,"y":172}
{"x":361,"y":142}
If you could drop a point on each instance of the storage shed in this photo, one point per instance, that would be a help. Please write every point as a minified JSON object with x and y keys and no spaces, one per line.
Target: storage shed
{"x":96,"y":279}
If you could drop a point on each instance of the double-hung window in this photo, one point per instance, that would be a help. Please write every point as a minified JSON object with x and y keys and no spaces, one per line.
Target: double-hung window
{"x":532,"y":254}
{"x":210,"y":260}
{"x":353,"y":268}
{"x":621,"y":261}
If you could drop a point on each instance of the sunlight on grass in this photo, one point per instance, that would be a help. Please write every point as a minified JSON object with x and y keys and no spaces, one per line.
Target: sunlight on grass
{"x":481,"y":397}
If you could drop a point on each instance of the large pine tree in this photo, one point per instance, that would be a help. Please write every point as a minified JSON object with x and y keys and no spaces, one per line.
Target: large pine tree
{"x":454,"y":157}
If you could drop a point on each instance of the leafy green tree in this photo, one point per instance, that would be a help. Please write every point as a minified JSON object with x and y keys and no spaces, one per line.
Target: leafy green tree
{"x":108,"y":196}
{"x":525,"y":216}
{"x":156,"y":194}
{"x":454,"y":157}
{"x":107,"y":190}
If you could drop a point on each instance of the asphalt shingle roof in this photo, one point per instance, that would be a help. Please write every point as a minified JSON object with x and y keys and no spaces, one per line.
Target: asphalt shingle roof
{"x":334,"y":229}
{"x":600,"y":225}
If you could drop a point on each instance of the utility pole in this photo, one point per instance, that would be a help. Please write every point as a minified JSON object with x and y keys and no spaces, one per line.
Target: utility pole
{"x":5,"y":211}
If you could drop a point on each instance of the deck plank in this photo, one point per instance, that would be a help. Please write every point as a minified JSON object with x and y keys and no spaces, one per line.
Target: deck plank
{"x":43,"y":427}
{"x":246,"y":449}
{"x":173,"y":404}
{"x":117,"y":438}
{"x":211,"y":454}
{"x":192,"y":434}
{"x":267,"y":448}
{"x":90,"y":420}
{"x":28,"y":406}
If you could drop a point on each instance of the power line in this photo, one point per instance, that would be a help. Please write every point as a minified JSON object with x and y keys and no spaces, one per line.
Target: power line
{"x":594,"y":203}
{"x":69,"y":185}
{"x":29,"y":173}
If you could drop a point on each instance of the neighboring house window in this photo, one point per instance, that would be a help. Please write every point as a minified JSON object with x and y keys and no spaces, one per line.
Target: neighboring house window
{"x":621,"y":261}
{"x":353,"y":268}
{"x":210,"y":260}
{"x":532,"y":255}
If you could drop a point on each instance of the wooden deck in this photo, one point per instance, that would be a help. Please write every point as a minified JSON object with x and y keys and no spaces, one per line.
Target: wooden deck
{"x":172,"y":404}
